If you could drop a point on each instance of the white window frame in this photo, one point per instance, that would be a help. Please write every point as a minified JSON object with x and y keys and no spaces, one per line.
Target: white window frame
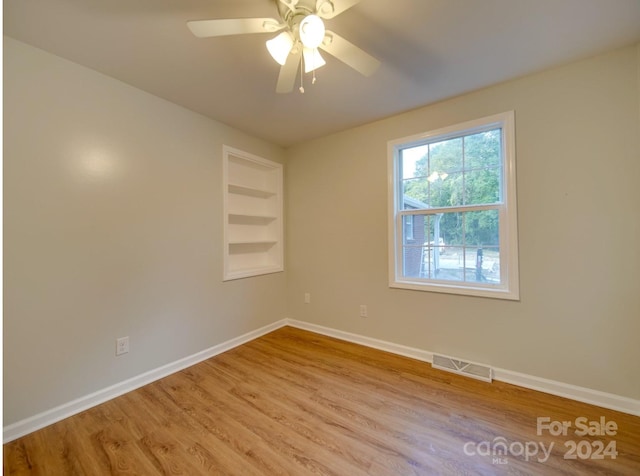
{"x":507,"y":211}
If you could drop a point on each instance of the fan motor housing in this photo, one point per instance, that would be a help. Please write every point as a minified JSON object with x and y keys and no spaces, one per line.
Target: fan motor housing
{"x":293,"y":15}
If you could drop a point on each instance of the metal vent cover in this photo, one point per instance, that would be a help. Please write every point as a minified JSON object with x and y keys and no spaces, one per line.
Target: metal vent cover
{"x":480,"y":372}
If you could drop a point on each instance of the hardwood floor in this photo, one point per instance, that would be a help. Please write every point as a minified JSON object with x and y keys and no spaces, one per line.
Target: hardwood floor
{"x":294,"y":402}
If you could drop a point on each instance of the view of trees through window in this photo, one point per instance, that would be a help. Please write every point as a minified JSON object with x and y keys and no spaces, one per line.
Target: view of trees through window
{"x":456,"y":183}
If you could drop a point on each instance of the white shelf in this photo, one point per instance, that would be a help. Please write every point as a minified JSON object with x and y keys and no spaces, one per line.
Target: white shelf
{"x":242,"y":218}
{"x":239,"y":273}
{"x":252,"y":215}
{"x":251,"y":191}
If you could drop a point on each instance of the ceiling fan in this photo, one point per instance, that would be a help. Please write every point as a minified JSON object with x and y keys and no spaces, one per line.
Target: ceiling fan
{"x":302,"y":35}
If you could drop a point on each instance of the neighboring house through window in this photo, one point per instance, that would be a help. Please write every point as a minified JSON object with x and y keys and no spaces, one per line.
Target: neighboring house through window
{"x":453,"y":221}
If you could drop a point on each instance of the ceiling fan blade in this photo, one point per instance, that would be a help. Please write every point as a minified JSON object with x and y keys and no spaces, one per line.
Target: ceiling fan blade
{"x":233,"y":26}
{"x":349,"y":54}
{"x":288,"y":73}
{"x":331,"y":8}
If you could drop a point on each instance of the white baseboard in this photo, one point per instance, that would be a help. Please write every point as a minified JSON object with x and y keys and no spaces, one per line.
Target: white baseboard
{"x":567,"y":390}
{"x":48,"y":417}
{"x":398,"y":349}
{"x":581,"y":394}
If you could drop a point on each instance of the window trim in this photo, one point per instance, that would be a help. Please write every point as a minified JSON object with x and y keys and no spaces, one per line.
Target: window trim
{"x":510,"y":289}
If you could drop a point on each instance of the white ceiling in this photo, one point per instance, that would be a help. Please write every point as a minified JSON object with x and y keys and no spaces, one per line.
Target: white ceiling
{"x":429,"y":49}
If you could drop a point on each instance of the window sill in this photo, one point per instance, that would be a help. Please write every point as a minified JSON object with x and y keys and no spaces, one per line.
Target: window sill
{"x":476,"y":291}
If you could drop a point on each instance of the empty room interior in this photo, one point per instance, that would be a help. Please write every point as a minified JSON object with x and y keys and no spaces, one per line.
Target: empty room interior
{"x":321,"y":237}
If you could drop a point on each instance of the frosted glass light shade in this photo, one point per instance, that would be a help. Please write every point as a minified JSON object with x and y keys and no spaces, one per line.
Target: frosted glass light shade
{"x":312,"y":31}
{"x":312,"y":59}
{"x":280,"y":47}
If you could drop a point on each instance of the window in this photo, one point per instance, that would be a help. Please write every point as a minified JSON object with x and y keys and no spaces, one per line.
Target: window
{"x":457,"y":188}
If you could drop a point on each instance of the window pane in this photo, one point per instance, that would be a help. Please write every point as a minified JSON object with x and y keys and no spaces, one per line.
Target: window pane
{"x":418,"y":233}
{"x":491,"y":265}
{"x":445,"y":156}
{"x":449,"y":263}
{"x":482,"y":186}
{"x":412,"y":262}
{"x":429,"y":262}
{"x":407,"y":229}
{"x":466,"y":228}
{"x":455,"y":240}
{"x":451,"y":229}
{"x":482,"y":228}
{"x":446,"y":190}
{"x":483,"y":149}
{"x":415,"y":194}
{"x":462,"y":171}
{"x":414,"y":161}
{"x":483,"y":265}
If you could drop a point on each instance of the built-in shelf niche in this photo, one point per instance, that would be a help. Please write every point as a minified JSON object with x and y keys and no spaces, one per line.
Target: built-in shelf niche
{"x":252,"y":215}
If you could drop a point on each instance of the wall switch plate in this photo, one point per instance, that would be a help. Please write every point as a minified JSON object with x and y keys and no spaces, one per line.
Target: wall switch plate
{"x":122,"y":345}
{"x":307,"y":298}
{"x":363,"y":310}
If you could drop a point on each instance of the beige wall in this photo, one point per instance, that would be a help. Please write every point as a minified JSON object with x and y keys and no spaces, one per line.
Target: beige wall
{"x":578,"y":170}
{"x":112,"y":227}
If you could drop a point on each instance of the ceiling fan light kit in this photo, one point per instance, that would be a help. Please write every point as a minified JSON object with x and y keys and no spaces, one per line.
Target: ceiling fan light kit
{"x":312,"y":59}
{"x":304,"y":34}
{"x":311,"y":31}
{"x":280,"y":47}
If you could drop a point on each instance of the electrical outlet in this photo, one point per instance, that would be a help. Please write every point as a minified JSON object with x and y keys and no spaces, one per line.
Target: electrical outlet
{"x":307,"y":298}
{"x":122,"y":345}
{"x":363,"y":310}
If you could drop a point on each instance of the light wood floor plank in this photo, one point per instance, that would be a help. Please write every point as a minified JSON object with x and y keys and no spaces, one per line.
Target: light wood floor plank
{"x":297,"y":403}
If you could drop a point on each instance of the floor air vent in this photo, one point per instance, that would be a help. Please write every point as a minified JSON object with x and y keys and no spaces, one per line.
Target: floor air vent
{"x":481,"y":372}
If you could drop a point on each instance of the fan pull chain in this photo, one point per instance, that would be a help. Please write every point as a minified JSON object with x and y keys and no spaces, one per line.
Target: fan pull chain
{"x":313,"y":81}
{"x":301,"y":76}
{"x":313,"y":72}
